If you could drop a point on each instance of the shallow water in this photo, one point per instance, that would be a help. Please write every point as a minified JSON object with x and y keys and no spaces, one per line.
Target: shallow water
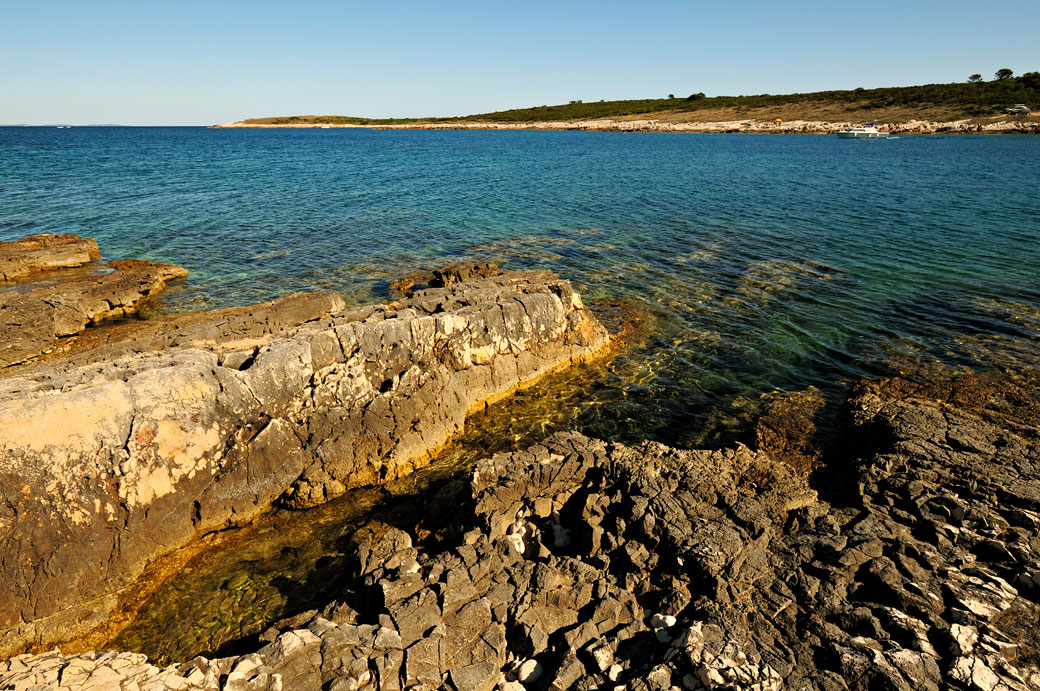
{"x":757,"y":263}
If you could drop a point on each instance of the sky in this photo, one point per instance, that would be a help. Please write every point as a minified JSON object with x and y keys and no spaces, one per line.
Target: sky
{"x":202,"y":63}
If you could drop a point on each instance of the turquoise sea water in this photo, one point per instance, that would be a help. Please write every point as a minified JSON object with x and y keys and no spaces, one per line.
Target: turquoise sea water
{"x":756,"y":264}
{"x":763,"y":262}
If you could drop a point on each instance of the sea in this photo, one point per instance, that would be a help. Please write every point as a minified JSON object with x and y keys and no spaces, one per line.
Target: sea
{"x":741,"y":269}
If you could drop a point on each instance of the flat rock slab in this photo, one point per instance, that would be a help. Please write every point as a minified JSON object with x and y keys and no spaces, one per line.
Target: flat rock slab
{"x":32,"y":321}
{"x":22,"y":257}
{"x":111,"y":457}
{"x":593,"y":565}
{"x":243,"y":325}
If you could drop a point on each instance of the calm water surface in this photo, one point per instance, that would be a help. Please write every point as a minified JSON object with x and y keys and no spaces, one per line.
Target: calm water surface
{"x":760,"y":263}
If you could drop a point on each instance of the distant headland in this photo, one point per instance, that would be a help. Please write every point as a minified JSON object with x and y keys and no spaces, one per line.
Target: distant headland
{"x":973,"y":106}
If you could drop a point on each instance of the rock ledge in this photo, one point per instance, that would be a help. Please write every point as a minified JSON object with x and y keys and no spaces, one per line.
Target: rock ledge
{"x":112,"y":457}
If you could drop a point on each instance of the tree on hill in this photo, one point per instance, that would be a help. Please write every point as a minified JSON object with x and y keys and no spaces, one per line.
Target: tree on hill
{"x":1030,"y":80}
{"x":975,"y":78}
{"x":1002,"y":74}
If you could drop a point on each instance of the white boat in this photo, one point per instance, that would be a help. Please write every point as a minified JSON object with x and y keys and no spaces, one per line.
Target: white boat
{"x":862,"y":133}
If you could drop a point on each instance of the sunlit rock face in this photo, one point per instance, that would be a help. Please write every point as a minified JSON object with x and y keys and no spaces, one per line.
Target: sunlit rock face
{"x":112,"y":456}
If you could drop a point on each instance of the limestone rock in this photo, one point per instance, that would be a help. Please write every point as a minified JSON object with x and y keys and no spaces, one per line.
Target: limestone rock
{"x":114,"y":455}
{"x":32,"y":320}
{"x":786,"y":590}
{"x":22,"y":257}
{"x":529,"y":672}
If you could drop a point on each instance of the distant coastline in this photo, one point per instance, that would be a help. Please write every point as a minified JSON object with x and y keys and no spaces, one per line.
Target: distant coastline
{"x":749,"y":126}
{"x":965,"y":107}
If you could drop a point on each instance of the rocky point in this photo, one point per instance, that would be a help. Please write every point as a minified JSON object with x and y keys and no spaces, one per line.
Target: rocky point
{"x":135,"y":444}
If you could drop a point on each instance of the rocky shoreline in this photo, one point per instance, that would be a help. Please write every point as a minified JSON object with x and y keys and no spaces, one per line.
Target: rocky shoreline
{"x":745,"y":126}
{"x":904,"y":555}
{"x":594,"y":565}
{"x":135,"y":444}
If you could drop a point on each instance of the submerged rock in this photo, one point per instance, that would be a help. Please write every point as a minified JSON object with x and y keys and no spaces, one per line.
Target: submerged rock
{"x":787,"y":430}
{"x":117,"y":454}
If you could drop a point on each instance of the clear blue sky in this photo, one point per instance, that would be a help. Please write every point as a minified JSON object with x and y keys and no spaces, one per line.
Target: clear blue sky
{"x":188,"y":62}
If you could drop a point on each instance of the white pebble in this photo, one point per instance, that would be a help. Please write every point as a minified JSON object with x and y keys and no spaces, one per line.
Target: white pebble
{"x":517,"y":542}
{"x":530,"y":671}
{"x":662,"y":621}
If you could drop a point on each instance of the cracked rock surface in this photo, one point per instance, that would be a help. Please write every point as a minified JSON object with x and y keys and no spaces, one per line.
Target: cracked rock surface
{"x":114,"y":455}
{"x":593,"y":565}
